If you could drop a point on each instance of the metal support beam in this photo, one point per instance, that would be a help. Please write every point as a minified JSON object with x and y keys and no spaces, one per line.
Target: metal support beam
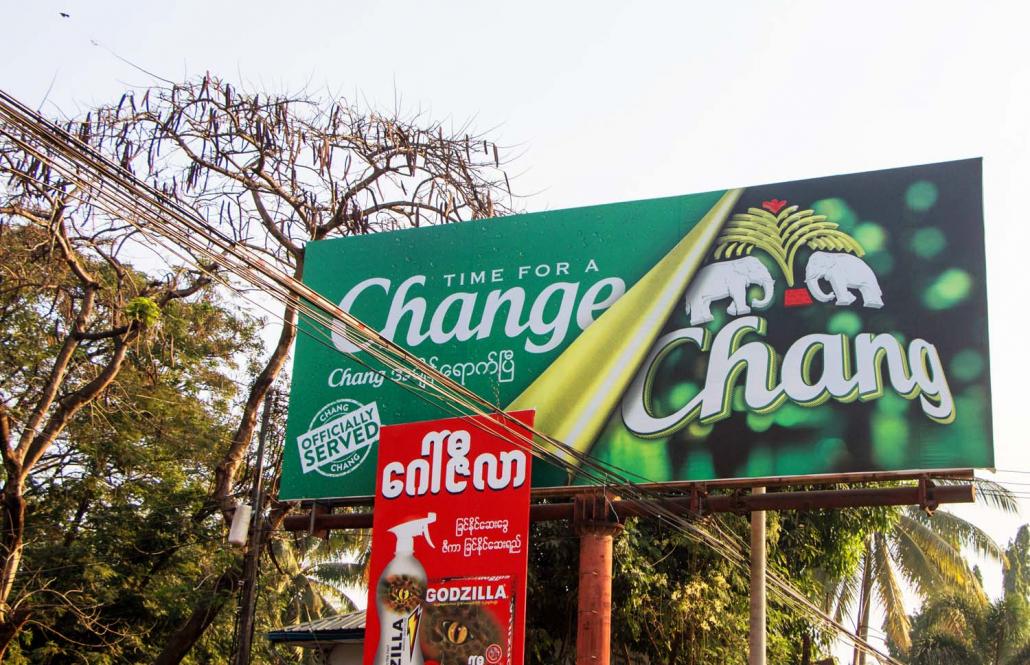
{"x":927,"y":495}
{"x":770,"y":482}
{"x":703,"y":486}
{"x":318,"y":510}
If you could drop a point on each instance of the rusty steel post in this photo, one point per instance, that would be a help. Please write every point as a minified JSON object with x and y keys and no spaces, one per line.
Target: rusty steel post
{"x":597,"y":525}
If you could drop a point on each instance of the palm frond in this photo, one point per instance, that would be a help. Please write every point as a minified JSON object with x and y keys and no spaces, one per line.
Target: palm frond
{"x":312,"y":600}
{"x":313,"y":578}
{"x":895,"y":621}
{"x":284,"y":556}
{"x":992,"y":493}
{"x":338,"y":572}
{"x":330,"y":595}
{"x":959,"y":532}
{"x":1021,"y":657}
{"x":996,"y":495}
{"x":945,"y":559}
{"x":340,"y":542}
{"x":951,"y":613}
{"x":944,"y":649}
{"x":846,"y":596}
{"x":913,"y":564}
{"x":833,"y":594}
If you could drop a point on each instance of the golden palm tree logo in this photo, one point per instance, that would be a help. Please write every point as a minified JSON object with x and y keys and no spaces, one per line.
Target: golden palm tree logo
{"x":780,"y":231}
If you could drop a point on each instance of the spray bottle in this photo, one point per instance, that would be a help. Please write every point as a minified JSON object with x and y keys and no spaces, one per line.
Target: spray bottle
{"x":399,"y":595}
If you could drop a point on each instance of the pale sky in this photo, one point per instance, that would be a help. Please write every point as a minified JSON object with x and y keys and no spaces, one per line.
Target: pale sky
{"x":612,"y":101}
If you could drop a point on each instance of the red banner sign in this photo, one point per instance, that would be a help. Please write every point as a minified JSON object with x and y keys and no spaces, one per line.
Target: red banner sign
{"x":447,"y":582}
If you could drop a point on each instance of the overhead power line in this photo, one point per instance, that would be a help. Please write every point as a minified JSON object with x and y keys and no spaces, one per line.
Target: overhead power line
{"x":186,"y":234}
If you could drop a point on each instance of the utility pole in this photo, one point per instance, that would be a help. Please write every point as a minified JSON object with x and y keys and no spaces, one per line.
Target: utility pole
{"x":756,"y":640}
{"x":248,"y":598}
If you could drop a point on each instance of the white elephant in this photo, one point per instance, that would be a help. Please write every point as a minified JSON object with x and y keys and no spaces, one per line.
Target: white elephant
{"x":844,"y":272}
{"x":728,"y":279}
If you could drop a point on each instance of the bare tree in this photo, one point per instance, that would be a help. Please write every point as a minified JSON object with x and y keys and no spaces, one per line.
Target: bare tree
{"x":276,"y":172}
{"x":279,"y":171}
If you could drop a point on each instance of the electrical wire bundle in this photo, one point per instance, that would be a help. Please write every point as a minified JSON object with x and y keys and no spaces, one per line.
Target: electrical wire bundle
{"x":184,"y":233}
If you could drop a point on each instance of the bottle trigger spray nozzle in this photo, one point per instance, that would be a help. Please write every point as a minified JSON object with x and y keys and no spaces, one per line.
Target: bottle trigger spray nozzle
{"x":406,"y":532}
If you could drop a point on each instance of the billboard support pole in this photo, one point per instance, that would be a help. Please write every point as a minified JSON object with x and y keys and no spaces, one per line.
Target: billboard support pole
{"x":597,"y":525}
{"x":756,"y":640}
{"x":248,"y":595}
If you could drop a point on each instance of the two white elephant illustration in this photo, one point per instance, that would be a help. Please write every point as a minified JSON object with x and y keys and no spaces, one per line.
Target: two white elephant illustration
{"x":731,"y":279}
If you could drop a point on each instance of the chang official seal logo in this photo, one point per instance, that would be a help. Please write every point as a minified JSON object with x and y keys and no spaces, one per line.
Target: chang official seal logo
{"x":339,"y":437}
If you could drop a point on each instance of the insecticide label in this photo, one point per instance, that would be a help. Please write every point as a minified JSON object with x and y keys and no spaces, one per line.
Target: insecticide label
{"x":450,"y":544}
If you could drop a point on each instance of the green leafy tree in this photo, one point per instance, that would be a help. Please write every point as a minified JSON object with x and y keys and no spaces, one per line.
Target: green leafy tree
{"x":923,"y":551}
{"x":953,"y":627}
{"x":111,"y":546}
{"x":73,"y":316}
{"x":678,"y":602}
{"x":312,"y":580}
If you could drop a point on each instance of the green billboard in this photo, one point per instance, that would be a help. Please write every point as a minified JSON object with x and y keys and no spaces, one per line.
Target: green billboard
{"x":836,"y":324}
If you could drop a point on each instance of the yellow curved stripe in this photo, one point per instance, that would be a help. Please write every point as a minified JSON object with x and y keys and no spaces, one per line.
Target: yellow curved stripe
{"x":575,"y":395}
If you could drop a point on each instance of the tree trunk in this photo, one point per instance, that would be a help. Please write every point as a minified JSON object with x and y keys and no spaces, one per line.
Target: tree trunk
{"x":806,"y":648}
{"x":225,"y":472}
{"x":865,"y":598}
{"x":10,"y":628}
{"x":80,"y":513}
{"x":11,"y":544}
{"x":206,"y":611}
{"x":210,"y":604}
